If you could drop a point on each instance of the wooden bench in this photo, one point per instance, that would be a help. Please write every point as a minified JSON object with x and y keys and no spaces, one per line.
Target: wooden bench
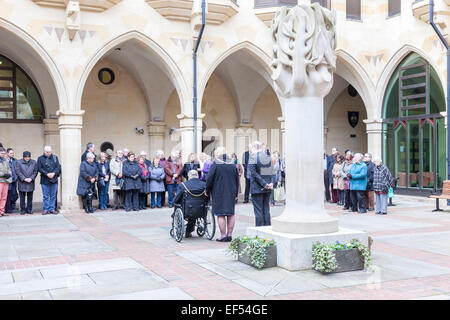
{"x":444,"y":195}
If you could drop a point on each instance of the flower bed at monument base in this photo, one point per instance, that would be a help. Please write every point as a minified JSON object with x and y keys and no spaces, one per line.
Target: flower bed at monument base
{"x":257,"y":252}
{"x":340,"y":257}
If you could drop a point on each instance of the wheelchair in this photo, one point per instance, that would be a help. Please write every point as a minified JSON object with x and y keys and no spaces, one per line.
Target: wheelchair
{"x":193,"y":207}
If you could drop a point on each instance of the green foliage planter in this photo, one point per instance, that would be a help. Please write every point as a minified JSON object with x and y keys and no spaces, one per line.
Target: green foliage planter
{"x":340,"y":257}
{"x":257,"y":252}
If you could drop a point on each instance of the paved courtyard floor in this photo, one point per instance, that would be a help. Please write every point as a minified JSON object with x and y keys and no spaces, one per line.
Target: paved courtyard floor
{"x":118,"y":255}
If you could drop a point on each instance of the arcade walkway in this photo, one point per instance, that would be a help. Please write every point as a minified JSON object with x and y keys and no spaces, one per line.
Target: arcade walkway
{"x":118,"y":255}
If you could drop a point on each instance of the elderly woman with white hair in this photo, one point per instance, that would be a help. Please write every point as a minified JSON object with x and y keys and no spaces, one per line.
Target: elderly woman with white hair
{"x":382,"y":180}
{"x":86,"y":181}
{"x":358,"y":183}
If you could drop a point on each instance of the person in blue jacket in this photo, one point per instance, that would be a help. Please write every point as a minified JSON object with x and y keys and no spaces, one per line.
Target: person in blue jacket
{"x":358,"y":184}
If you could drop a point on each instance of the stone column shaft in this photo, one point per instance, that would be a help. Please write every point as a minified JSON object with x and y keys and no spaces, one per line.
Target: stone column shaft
{"x":374,"y":130}
{"x":187,"y":135}
{"x":51,"y":134}
{"x":304,"y":211}
{"x":70,"y":124}
{"x":157,"y":133}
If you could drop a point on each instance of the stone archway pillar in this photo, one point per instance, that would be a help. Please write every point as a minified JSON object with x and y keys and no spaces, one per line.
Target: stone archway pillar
{"x":157,"y":133}
{"x":51,"y":134}
{"x":187,"y":134}
{"x":70,"y":124}
{"x":244,"y":134}
{"x":374,"y":130}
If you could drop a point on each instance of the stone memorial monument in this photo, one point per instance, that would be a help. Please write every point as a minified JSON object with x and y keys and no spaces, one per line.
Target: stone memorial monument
{"x":304,"y":59}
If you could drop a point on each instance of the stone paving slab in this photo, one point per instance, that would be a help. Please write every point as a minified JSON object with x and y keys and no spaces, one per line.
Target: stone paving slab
{"x":437,"y":242}
{"x":6,"y":278}
{"x":104,"y":290}
{"x":122,"y":218}
{"x":45,"y":284}
{"x":35,"y":222}
{"x":375,"y":223}
{"x":89,"y":267}
{"x":27,"y":275}
{"x":118,"y":277}
{"x":157,"y":294}
{"x":22,"y":247}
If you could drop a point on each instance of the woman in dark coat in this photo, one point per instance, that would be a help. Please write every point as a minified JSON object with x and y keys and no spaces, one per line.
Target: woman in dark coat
{"x":192,"y":164}
{"x":222,"y":184}
{"x":132,"y":173}
{"x":86,"y":181}
{"x":26,"y":170}
{"x":104,"y":173}
{"x":145,"y":179}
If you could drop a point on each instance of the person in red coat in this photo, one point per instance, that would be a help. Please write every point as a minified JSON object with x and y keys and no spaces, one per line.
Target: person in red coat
{"x":173,"y":169}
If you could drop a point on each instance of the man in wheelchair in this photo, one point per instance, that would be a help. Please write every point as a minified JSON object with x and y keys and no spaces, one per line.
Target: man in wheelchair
{"x":191,"y":198}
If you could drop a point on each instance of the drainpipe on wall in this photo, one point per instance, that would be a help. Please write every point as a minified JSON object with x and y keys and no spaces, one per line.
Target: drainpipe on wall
{"x":195,"y":75}
{"x":448,"y":85}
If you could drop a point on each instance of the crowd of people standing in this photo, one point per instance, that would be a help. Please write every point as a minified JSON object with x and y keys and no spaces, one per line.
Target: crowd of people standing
{"x":356,"y":181}
{"x":17,"y":180}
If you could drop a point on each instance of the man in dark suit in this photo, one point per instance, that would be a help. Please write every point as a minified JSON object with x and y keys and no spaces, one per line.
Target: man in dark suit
{"x":90,"y":147}
{"x":261,"y":186}
{"x":331,"y":162}
{"x":195,"y":186}
{"x":245,"y":158}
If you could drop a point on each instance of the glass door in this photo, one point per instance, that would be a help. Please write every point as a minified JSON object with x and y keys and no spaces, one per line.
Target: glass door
{"x":400,"y":155}
{"x":413,"y":155}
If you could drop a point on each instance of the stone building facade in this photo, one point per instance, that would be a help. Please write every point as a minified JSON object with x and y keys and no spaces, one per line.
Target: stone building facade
{"x":120,"y":73}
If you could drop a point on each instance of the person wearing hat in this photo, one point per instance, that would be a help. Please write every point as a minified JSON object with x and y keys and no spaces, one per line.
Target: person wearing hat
{"x":26,"y":170}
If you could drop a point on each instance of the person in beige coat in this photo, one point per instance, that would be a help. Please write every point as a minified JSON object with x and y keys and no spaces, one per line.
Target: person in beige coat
{"x":338,"y":180}
{"x":5,"y":180}
{"x":115,"y":166}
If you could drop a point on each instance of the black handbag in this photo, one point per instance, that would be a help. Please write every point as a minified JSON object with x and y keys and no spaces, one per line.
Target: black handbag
{"x":91,"y":194}
{"x":120,"y":182}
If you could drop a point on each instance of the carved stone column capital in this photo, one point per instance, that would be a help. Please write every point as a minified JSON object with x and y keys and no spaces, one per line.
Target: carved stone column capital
{"x":70,"y":119}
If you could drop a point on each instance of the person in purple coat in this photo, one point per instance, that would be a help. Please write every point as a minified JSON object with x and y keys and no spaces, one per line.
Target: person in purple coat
{"x":205,"y":165}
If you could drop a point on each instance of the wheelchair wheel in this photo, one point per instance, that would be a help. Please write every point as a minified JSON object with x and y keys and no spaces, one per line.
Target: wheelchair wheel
{"x":200,"y":227}
{"x":209,"y":225}
{"x":178,"y":225}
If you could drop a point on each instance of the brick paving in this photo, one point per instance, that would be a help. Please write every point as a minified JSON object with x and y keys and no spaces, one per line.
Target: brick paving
{"x":109,"y":250}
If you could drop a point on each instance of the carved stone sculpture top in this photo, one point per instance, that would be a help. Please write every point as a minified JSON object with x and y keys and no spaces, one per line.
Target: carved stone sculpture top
{"x":304,"y":42}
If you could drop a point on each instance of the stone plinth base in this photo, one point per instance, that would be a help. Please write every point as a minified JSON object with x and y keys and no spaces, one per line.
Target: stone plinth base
{"x":294,"y":251}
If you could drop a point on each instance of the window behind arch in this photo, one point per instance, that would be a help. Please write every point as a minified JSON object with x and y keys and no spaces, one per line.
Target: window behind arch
{"x":394,"y":7}
{"x":353,"y":9}
{"x":20,"y":100}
